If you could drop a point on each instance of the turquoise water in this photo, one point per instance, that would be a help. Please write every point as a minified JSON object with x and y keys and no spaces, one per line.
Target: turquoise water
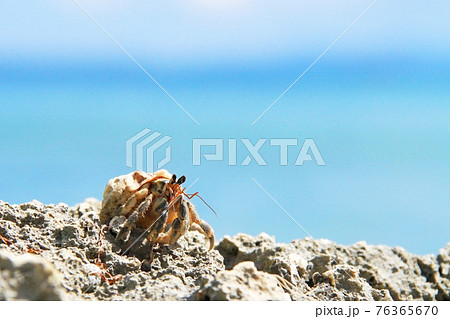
{"x":382,"y":127}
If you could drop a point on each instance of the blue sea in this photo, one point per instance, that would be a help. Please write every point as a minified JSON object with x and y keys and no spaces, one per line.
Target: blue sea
{"x":382,"y":126}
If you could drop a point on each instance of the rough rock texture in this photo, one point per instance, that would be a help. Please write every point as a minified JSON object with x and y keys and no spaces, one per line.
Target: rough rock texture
{"x":68,"y":238}
{"x":49,"y":252}
{"x":390,"y":272}
{"x":243,"y":282}
{"x":28,"y":277}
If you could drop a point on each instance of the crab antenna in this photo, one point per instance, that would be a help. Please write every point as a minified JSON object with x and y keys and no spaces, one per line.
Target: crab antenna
{"x":215,"y":213}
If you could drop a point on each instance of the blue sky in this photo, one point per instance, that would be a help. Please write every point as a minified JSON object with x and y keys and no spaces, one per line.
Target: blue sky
{"x":377,"y":106}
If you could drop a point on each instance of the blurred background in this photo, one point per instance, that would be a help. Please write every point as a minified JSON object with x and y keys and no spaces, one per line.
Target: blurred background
{"x":377,"y":106}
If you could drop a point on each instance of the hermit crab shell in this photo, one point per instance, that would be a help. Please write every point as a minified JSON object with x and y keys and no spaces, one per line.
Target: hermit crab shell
{"x":119,"y":189}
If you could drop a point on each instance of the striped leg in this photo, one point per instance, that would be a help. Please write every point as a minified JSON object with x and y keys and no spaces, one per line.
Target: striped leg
{"x":129,"y":224}
{"x":161,"y":209}
{"x":179,"y":226}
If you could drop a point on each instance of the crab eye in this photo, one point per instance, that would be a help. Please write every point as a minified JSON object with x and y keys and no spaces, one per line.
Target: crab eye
{"x":181,"y":180}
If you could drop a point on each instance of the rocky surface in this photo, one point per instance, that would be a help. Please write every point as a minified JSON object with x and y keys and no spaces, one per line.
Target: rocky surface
{"x":50,"y":252}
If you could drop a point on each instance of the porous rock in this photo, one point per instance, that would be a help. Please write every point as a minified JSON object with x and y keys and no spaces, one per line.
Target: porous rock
{"x":28,"y":277}
{"x":391,"y":272}
{"x":243,"y":282}
{"x":69,"y":239}
{"x":64,"y":245}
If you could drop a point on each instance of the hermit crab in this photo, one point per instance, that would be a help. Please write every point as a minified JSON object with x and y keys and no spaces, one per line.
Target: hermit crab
{"x":153,"y":202}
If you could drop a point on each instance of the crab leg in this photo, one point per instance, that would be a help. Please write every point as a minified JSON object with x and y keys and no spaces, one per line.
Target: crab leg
{"x":161,"y":209}
{"x":204,"y":228}
{"x":179,"y":225}
{"x":131,"y":202}
{"x":127,"y":227}
{"x":131,"y":221}
{"x":201,"y":226}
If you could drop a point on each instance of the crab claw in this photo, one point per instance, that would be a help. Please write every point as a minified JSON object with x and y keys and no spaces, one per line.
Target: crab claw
{"x":212,"y":242}
{"x":127,"y":227}
{"x":209,"y":233}
{"x":203,"y":228}
{"x":122,"y":234}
